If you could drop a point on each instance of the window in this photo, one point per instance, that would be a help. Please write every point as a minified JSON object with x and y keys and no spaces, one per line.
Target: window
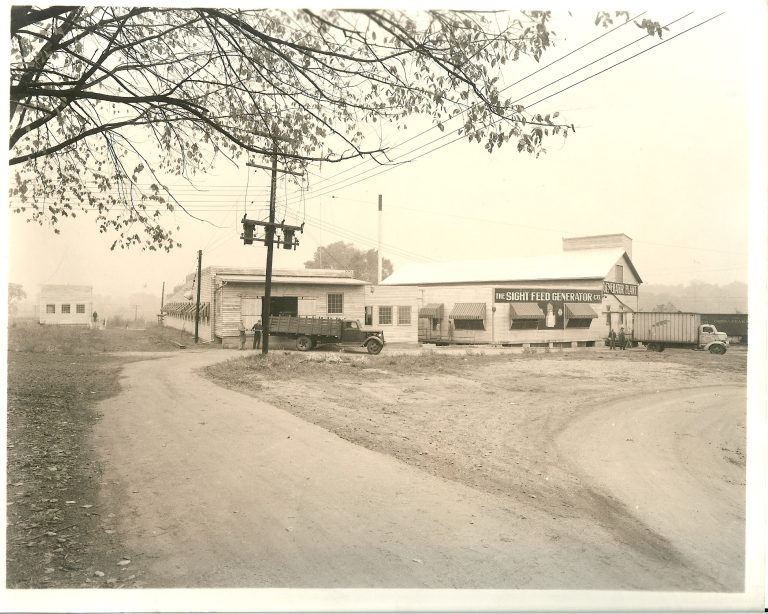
{"x":50,"y":309}
{"x":707,"y":329}
{"x":336,"y":303}
{"x":65,"y":309}
{"x":404,"y":315}
{"x":80,"y":308}
{"x":524,"y":324}
{"x":351,"y":326}
{"x":619,"y":274}
{"x":369,"y":315}
{"x":469,"y":324}
{"x":578,"y":323}
{"x":385,"y":315}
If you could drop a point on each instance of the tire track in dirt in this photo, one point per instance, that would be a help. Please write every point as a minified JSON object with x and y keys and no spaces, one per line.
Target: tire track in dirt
{"x":656,"y":477}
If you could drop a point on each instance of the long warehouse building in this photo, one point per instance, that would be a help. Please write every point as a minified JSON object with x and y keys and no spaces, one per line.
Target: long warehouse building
{"x":569,"y":299}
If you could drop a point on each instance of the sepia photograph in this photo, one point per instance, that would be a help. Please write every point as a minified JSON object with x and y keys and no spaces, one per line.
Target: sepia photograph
{"x":366,"y":308}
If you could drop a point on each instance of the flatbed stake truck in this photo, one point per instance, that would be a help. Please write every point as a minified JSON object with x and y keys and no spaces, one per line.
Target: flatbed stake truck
{"x":311,"y":331}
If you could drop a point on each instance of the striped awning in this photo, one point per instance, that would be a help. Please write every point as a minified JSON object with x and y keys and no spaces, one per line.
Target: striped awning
{"x":432,"y":310}
{"x":186,"y":309}
{"x":579,"y":310}
{"x":468,"y":311}
{"x":525,"y":311}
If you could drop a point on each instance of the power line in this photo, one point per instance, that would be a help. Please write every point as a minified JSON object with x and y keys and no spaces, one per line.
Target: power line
{"x":630,"y":58}
{"x":435,"y":127}
{"x":328,"y":189}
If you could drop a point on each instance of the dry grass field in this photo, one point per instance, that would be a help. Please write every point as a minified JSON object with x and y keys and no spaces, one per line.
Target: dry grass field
{"x":486,"y":419}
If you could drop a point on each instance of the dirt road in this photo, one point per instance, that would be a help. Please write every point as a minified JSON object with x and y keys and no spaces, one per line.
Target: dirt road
{"x":213,"y":488}
{"x":675,"y":460}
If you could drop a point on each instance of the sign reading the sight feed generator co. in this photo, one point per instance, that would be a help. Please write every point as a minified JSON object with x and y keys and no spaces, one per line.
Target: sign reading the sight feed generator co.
{"x":535,"y":295}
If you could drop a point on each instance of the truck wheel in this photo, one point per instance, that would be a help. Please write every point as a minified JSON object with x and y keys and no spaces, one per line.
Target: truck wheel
{"x":717,"y":349}
{"x":303,"y":343}
{"x":652,"y":347}
{"x":374,"y":347}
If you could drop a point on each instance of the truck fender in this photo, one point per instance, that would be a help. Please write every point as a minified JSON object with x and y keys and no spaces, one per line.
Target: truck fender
{"x":368,"y":338}
{"x":719,"y":347}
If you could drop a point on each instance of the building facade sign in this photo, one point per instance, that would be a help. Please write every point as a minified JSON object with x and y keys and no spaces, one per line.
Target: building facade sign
{"x":536,"y":295}
{"x":612,"y":287}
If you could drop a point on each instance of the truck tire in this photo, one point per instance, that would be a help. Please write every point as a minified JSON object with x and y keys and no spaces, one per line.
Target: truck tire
{"x":374,"y":347}
{"x":303,"y":343}
{"x":654,"y":347}
{"x":717,"y":349}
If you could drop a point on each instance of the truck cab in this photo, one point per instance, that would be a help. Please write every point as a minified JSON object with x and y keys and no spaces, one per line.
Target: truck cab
{"x":353,"y":333}
{"x":712,"y":340}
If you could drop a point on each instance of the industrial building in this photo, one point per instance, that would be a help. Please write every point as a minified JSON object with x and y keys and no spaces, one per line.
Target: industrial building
{"x":65,"y":305}
{"x":569,"y":299}
{"x":229,"y":296}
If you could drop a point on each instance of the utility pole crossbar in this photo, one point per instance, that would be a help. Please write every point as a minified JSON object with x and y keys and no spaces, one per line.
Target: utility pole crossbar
{"x":288,"y":239}
{"x":280,"y":170}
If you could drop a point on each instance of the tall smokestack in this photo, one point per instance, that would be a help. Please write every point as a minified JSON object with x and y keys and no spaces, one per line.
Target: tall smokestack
{"x":379,"y":249}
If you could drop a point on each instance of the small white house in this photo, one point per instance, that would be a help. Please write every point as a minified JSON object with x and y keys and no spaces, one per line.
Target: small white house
{"x":65,"y":305}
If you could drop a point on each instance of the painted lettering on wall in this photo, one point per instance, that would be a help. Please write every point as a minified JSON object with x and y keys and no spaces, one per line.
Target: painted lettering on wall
{"x":612,"y":287}
{"x":535,"y":295}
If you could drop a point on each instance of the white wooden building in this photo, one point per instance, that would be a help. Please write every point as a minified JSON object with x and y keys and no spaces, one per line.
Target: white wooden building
{"x":569,"y":299}
{"x":230,"y":295}
{"x":65,"y":305}
{"x":394,"y":310}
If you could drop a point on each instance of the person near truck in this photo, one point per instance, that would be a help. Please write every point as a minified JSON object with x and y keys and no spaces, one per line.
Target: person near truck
{"x":622,"y":339}
{"x":257,"y":335}
{"x":241,"y":328}
{"x":612,"y":339}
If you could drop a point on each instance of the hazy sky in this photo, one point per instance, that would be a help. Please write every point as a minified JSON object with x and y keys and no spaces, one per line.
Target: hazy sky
{"x":660,"y":153}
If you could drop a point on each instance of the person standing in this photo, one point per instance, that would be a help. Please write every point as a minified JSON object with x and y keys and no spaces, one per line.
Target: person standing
{"x":241,"y":328}
{"x":622,"y":339}
{"x":612,"y":339}
{"x":257,"y":335}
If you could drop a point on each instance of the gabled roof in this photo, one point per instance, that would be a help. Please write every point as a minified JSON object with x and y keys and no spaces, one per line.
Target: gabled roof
{"x":577,"y":264}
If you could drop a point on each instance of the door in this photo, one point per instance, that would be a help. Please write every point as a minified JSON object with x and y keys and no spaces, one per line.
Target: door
{"x":284,"y":305}
{"x":250,"y":310}
{"x":307,"y":306}
{"x":352,"y":332}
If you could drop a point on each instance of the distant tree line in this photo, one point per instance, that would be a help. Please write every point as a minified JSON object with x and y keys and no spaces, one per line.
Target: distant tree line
{"x":697,"y":297}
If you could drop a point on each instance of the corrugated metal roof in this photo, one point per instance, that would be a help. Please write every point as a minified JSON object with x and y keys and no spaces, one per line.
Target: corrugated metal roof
{"x":232,"y":270}
{"x":432,"y":310}
{"x":525,"y":311}
{"x":279,"y":279}
{"x":581,"y":264}
{"x":579,"y":310}
{"x":468,"y":311}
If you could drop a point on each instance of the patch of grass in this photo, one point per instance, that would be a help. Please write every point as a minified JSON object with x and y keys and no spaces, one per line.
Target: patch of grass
{"x":29,"y":336}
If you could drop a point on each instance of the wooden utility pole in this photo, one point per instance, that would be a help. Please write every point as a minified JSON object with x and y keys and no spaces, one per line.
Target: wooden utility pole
{"x":270,"y":228}
{"x":269,"y":239}
{"x":162,"y":304}
{"x":197,"y":307}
